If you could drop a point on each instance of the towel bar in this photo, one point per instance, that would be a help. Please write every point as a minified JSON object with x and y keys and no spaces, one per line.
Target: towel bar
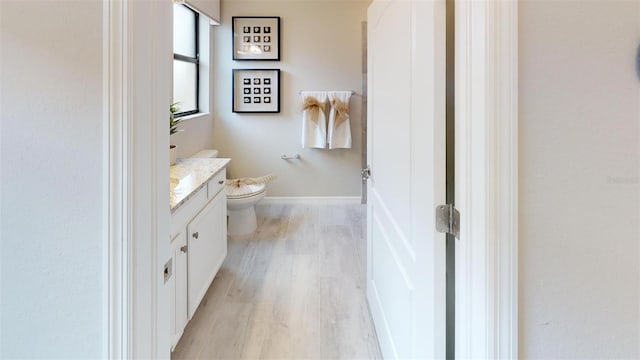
{"x":289,"y":157}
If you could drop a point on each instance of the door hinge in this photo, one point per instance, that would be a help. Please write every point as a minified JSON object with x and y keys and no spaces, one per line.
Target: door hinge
{"x":448,"y":220}
{"x":366,"y":173}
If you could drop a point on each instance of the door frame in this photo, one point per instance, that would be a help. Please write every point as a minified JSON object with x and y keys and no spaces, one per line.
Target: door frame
{"x":135,"y":168}
{"x":115,"y":216}
{"x":487,"y":179}
{"x":136,"y":95}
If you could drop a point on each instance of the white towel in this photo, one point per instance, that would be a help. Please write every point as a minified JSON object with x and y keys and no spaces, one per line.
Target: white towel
{"x":314,"y":119}
{"x":339,"y":124}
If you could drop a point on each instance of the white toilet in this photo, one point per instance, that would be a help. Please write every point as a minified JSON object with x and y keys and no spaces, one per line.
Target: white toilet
{"x":241,"y":202}
{"x":241,"y":208}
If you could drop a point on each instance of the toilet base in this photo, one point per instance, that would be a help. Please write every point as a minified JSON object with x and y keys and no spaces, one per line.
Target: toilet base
{"x":242,"y":222}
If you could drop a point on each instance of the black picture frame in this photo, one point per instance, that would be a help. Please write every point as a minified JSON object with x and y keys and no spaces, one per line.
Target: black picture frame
{"x":250,"y":96}
{"x":253,"y":28}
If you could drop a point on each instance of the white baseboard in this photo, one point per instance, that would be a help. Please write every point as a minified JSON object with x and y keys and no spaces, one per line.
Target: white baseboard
{"x":316,"y":200}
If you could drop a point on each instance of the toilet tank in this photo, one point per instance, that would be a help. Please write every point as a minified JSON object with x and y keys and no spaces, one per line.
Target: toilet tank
{"x":207,"y":153}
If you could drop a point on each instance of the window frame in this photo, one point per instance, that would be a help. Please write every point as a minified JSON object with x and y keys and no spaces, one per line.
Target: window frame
{"x":192,"y":60}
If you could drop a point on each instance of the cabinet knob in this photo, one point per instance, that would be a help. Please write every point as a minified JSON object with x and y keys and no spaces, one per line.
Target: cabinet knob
{"x":221,"y":182}
{"x":195,"y":235}
{"x":184,"y":249}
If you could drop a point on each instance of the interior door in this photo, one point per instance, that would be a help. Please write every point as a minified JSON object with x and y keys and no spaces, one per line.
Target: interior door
{"x":406,"y":153}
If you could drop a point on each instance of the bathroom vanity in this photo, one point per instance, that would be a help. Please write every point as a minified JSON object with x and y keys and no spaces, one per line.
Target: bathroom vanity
{"x":198,"y":234}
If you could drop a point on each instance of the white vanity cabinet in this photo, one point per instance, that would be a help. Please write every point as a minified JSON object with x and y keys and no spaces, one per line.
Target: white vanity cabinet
{"x":198,"y":236}
{"x":207,"y":243}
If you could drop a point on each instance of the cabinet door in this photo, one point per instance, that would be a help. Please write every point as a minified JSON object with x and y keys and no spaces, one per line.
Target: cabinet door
{"x":207,"y":250}
{"x":221,"y":229}
{"x":220,"y":234}
{"x":181,"y":284}
{"x":172,"y":294}
{"x":179,"y":287}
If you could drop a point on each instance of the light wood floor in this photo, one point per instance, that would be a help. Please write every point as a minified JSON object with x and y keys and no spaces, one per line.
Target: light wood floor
{"x":293,"y":290}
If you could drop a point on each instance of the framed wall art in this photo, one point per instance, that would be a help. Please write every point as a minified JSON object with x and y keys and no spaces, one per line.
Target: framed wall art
{"x":256,"y":38}
{"x":256,"y":90}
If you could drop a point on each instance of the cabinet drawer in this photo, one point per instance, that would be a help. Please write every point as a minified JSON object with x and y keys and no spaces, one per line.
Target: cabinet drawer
{"x":188,"y":211}
{"x":217,"y":183}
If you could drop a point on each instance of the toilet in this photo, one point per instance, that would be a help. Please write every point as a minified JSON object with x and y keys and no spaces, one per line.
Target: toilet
{"x":241,"y":208}
{"x":241,"y":202}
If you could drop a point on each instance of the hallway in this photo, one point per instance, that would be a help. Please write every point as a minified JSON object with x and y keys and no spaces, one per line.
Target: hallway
{"x":294,"y":289}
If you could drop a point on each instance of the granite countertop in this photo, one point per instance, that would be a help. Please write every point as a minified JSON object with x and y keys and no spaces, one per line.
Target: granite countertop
{"x":189,"y":175}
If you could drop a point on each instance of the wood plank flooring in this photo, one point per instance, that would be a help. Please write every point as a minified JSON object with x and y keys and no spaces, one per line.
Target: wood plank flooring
{"x":295,"y":289}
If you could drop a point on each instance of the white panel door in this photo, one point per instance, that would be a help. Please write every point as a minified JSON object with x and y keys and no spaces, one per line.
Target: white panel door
{"x":406,"y":152}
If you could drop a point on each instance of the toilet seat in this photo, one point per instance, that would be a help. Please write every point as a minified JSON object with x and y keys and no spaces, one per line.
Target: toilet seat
{"x":245,"y":191}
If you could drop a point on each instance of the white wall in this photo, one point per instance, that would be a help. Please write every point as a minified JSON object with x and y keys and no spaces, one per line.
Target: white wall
{"x":51,"y":183}
{"x":579,"y":187}
{"x":320,"y":50}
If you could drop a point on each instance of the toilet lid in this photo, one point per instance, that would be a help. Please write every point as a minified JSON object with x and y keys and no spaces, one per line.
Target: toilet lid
{"x":244,"y":190}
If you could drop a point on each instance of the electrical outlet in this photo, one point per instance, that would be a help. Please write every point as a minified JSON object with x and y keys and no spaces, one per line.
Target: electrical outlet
{"x":168,"y":270}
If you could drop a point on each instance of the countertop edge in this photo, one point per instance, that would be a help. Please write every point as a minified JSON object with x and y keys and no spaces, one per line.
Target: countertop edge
{"x":196,"y":189}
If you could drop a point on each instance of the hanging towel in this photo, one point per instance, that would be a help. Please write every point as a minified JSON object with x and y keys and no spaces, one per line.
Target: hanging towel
{"x":339,"y":124}
{"x":314,"y":119}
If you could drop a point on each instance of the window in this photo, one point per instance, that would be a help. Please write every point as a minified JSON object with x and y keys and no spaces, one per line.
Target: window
{"x":186,"y":63}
